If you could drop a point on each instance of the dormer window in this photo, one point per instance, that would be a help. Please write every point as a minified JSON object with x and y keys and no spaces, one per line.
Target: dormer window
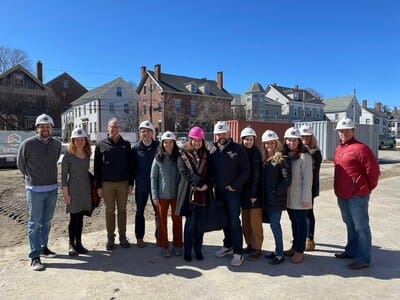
{"x":193,"y":88}
{"x":204,"y":89}
{"x":19,"y":80}
{"x":295,"y":96}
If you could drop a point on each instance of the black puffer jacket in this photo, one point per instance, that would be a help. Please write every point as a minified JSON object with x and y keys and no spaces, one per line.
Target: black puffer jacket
{"x":251,"y":188}
{"x":276,"y":178}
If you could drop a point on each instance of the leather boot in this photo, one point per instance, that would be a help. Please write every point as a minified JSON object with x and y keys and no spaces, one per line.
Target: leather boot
{"x":71,"y":249}
{"x":79,"y":248}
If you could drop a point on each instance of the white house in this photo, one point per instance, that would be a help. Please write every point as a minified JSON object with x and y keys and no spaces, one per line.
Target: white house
{"x":374,"y":116}
{"x":91,"y":111}
{"x":337,"y":108}
{"x":297,"y":104}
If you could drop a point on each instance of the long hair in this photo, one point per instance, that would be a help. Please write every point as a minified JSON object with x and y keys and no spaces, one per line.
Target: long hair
{"x":161,"y":153}
{"x":276,"y":156}
{"x":313,"y":143}
{"x":189,"y":147}
{"x":301,"y":149}
{"x":86,"y":148}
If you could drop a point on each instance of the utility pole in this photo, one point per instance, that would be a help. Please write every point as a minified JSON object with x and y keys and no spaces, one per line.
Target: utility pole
{"x":354,"y":106}
{"x":151,"y":102}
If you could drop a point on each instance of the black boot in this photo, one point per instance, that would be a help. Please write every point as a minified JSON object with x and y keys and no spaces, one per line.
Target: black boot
{"x":79,"y":248}
{"x":71,"y":249}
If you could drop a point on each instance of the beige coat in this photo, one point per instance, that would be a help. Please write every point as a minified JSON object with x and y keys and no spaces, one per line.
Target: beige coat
{"x":299,"y":192}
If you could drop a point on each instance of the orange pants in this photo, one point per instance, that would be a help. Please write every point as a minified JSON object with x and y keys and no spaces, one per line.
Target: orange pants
{"x":162,"y":213}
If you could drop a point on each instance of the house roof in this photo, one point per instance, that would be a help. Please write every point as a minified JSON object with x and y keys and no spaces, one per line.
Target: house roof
{"x":376,"y":113}
{"x":176,"y":83}
{"x":270,"y":101}
{"x":29,"y":74}
{"x":95,"y":93}
{"x":337,"y":104}
{"x":255,"y":87}
{"x":65,"y":75}
{"x":304,"y":95}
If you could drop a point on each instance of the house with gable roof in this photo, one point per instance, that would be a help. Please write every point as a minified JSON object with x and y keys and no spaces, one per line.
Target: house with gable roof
{"x":394,"y":123}
{"x":23,"y":97}
{"x":93,"y":110}
{"x":374,"y":116}
{"x":298,"y":105}
{"x":340,"y":107}
{"x":66,"y":89}
{"x":176,"y":102}
{"x":255,"y":106}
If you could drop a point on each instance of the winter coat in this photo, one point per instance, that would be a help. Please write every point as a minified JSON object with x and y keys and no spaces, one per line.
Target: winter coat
{"x":229,"y":166}
{"x":299,"y":192}
{"x":356,"y":170}
{"x":316,"y":160}
{"x":251,"y":187}
{"x":164,"y":177}
{"x":190,"y":177}
{"x":142,"y":159}
{"x":276,"y":179}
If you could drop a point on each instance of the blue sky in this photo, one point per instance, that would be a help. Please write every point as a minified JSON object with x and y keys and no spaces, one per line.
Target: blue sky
{"x":332,"y":47}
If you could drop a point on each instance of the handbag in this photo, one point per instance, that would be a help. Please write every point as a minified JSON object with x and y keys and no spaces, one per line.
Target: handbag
{"x":94,"y":197}
{"x":212,"y":216}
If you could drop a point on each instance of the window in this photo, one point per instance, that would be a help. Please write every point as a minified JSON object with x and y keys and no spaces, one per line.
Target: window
{"x":90,"y":127}
{"x":79,"y":111}
{"x":90,"y":107}
{"x":119,"y":91}
{"x":193,"y":88}
{"x":144,"y":108}
{"x":178,"y":105}
{"x":144,"y":89}
{"x":19,"y":80}
{"x":84,"y":110}
{"x":377,"y":121}
{"x":193,"y":108}
{"x":94,"y":107}
{"x":367,"y":121}
{"x":111,"y":107}
{"x":76,"y":112}
{"x":126,"y":108}
{"x":94,"y":126}
{"x":66,"y":84}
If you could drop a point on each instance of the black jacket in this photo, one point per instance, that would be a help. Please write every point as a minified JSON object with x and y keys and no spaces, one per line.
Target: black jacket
{"x":229,"y":166}
{"x":317,"y":160}
{"x":276,"y":178}
{"x":112,"y":161}
{"x":251,"y":187}
{"x":142,"y":159}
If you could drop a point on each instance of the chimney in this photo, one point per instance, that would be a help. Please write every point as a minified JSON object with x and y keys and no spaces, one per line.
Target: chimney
{"x":220,"y":80}
{"x":142,"y":71}
{"x":39,"y":71}
{"x":157,"y":71}
{"x":378,"y":106}
{"x":364,"y":104}
{"x":395,"y":110}
{"x":296,"y":87}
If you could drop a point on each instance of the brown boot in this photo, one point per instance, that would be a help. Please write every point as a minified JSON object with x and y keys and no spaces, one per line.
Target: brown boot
{"x":310,"y":245}
{"x":297,"y":257}
{"x":289,"y":252}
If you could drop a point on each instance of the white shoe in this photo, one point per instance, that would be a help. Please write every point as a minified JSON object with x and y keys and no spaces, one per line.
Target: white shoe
{"x":237,"y":260}
{"x":224,"y":252}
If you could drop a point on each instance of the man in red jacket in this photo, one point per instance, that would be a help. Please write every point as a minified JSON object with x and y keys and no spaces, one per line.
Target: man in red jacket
{"x":356,"y":175}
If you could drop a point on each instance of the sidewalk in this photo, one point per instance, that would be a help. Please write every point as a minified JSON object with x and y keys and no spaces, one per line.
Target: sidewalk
{"x":136,"y":273}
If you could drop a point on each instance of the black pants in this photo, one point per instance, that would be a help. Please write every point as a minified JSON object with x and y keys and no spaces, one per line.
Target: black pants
{"x":75,"y":227}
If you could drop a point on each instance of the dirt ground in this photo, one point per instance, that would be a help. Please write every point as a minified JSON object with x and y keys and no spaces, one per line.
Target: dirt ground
{"x":14,"y":215}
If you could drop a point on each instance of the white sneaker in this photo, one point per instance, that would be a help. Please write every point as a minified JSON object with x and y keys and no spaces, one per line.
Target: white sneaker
{"x":237,"y":260}
{"x":36,"y":264}
{"x":224,"y":252}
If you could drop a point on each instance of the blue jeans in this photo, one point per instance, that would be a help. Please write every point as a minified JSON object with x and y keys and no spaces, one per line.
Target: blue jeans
{"x":299,"y":228}
{"x":275,"y":224}
{"x":233,"y":236}
{"x":355,"y":215}
{"x":141,"y":198}
{"x":41,"y":207}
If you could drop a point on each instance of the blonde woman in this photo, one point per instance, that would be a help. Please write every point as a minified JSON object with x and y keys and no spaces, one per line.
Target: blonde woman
{"x":76,"y":187}
{"x":276,"y":178}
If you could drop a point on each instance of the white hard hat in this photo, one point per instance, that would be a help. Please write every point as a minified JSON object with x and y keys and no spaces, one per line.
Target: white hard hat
{"x":221,"y":127}
{"x":146,"y":124}
{"x":345,"y":123}
{"x":44,"y":119}
{"x":306,"y":130}
{"x":269,"y":135}
{"x":78,"y":133}
{"x":168,"y":135}
{"x":292,"y":133}
{"x":248,"y":131}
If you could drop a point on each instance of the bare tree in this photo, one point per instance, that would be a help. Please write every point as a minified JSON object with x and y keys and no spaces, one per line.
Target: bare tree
{"x":314,"y":92}
{"x":10,"y":57}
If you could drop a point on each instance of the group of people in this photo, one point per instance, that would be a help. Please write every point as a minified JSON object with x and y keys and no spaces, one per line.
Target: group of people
{"x":251,"y":186}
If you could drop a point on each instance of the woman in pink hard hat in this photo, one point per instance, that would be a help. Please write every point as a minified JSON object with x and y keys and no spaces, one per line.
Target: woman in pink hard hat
{"x":194,"y":188}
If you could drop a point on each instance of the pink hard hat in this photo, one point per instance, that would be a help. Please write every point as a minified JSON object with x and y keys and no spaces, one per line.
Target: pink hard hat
{"x":196,"y":133}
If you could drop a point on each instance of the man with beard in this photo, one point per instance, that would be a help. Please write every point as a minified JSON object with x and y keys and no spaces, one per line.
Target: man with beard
{"x":37,"y":161}
{"x":229,"y":164}
{"x":143,"y":154}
